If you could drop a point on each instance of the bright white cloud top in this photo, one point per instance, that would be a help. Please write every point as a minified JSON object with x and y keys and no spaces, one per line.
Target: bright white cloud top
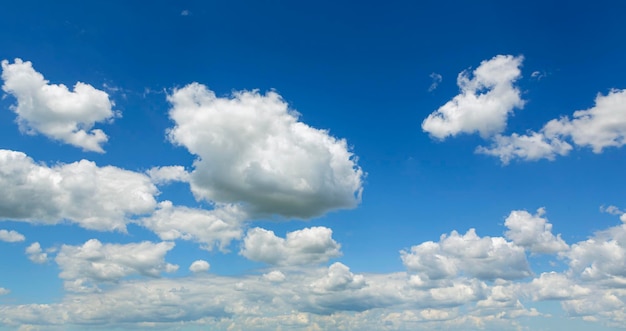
{"x":53,"y":110}
{"x":299,"y":191}
{"x":252,"y":149}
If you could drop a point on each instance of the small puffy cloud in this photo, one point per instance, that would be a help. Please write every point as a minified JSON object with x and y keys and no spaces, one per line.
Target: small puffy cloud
{"x":35,"y":253}
{"x":555,"y":286}
{"x":599,"y":127}
{"x":275,"y":276}
{"x":339,"y":278}
{"x":11,"y":236}
{"x":211,"y":228}
{"x":94,"y":262}
{"x":55,"y":111}
{"x":533,"y":232}
{"x":4,"y":291}
{"x":252,"y":149}
{"x":486,"y":258}
{"x":487,"y":97}
{"x":185,"y":12}
{"x":165,"y":175}
{"x":35,"y":193}
{"x":530,"y":147}
{"x":437,"y":78}
{"x":306,"y":246}
{"x":199,"y":266}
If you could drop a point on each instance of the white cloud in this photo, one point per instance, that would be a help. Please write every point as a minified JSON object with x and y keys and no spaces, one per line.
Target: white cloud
{"x":165,"y":175}
{"x":212,"y":228}
{"x":252,"y":149}
{"x":533,"y":232}
{"x":53,"y":110}
{"x":530,"y":147}
{"x":339,"y":278}
{"x":4,"y":291}
{"x":485,"y":101}
{"x":11,"y":236}
{"x":275,"y":276}
{"x":199,"y":266}
{"x":185,"y":12}
{"x":306,"y":246}
{"x":94,"y":262}
{"x":437,"y":78}
{"x":599,"y":127}
{"x":486,"y":258}
{"x":36,"y":193}
{"x":35,"y":253}
{"x":555,"y":286}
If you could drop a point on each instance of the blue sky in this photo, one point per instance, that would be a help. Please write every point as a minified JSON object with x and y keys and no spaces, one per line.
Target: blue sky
{"x":271,"y":165}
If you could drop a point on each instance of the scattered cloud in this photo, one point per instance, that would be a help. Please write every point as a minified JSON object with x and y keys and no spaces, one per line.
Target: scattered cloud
{"x":185,"y":12}
{"x":82,"y":267}
{"x":36,"y":254}
{"x":533,"y":232}
{"x":487,"y":98}
{"x":531,"y":147}
{"x":36,"y":193}
{"x":11,"y":236}
{"x":165,"y":175}
{"x":307,"y":246}
{"x":199,"y":266}
{"x":252,"y":149}
{"x":275,"y":276}
{"x":4,"y":291}
{"x":211,"y":228}
{"x":53,"y":110}
{"x":436,"y":78}
{"x":538,"y":75}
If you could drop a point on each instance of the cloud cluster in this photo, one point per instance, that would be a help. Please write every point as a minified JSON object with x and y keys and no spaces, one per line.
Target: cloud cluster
{"x":94,"y":262}
{"x":306,"y":246}
{"x":11,"y":236}
{"x":37,"y":193}
{"x":53,"y":110}
{"x":487,"y":98}
{"x":252,"y":149}
{"x":36,"y":254}
{"x":533,"y":232}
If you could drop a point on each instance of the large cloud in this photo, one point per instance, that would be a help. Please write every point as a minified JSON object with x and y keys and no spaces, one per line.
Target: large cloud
{"x":94,"y":262}
{"x":252,"y":149}
{"x":485,"y":101}
{"x":100,"y":198}
{"x":533,"y":232}
{"x":306,"y":246}
{"x":53,"y":110}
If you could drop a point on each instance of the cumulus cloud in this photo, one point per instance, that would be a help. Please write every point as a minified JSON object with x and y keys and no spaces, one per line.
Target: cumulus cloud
{"x":599,"y":127}
{"x":36,"y":254}
{"x":53,"y":110}
{"x":199,"y":266}
{"x":165,"y":175}
{"x":275,"y":276}
{"x":533,"y":232}
{"x":555,"y":286}
{"x":339,"y":278}
{"x":95,"y":262}
{"x":306,"y":246}
{"x":36,"y":193}
{"x":252,"y":149}
{"x":11,"y":236}
{"x":486,"y":258}
{"x":211,"y":228}
{"x":4,"y":291}
{"x":487,"y":98}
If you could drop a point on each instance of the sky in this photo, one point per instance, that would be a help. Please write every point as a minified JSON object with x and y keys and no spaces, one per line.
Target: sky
{"x":328,"y":165}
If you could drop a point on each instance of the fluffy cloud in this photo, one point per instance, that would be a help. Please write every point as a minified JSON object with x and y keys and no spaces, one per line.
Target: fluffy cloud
{"x":35,"y":253}
{"x":306,"y":246}
{"x":599,"y":127}
{"x":339,"y":278}
{"x":199,"y":266}
{"x":274,"y":276}
{"x":94,"y":262}
{"x":36,"y":193}
{"x":533,"y":232}
{"x":555,"y":286}
{"x":11,"y":236}
{"x":252,"y":149}
{"x":164,"y":175}
{"x":4,"y":291}
{"x":53,"y":110}
{"x":211,"y":228}
{"x":487,"y":97}
{"x":486,"y":258}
